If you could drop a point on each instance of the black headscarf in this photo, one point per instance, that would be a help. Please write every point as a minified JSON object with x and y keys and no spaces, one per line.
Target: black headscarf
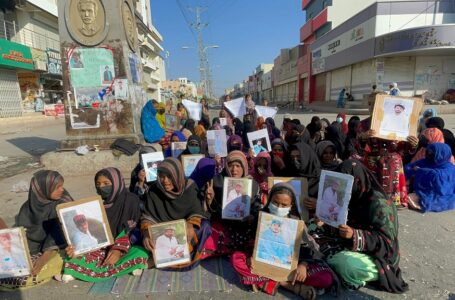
{"x":310,"y":167}
{"x":337,"y":137}
{"x":189,"y":125}
{"x":279,"y":188}
{"x":122,"y":207}
{"x":247,"y":128}
{"x":135,"y":173}
{"x":38,"y":214}
{"x":181,"y":203}
{"x":320,"y":148}
{"x":350,"y":144}
{"x":375,"y":221}
{"x":238,"y":127}
{"x":449,"y":138}
{"x":193,"y":138}
{"x":275,"y":131}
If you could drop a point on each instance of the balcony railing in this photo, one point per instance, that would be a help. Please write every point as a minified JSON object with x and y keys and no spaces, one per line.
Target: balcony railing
{"x":30,"y":38}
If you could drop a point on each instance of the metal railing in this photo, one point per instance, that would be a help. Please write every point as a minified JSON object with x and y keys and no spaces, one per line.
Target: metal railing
{"x":30,"y":38}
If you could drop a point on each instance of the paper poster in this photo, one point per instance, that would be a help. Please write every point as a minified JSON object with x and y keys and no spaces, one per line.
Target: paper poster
{"x":91,"y":67}
{"x":14,"y":253}
{"x":194,"y":109}
{"x":237,"y":107}
{"x":266,"y":112}
{"x":177,"y":148}
{"x":277,"y":245}
{"x":333,"y":197}
{"x":88,"y":96}
{"x":190,"y":162}
{"x":135,"y":67}
{"x":121,"y":88}
{"x":217,"y":143}
{"x":84,"y":118}
{"x":237,"y":194}
{"x":223,"y":122}
{"x":85,"y":225}
{"x":259,"y":141}
{"x":150,"y":162}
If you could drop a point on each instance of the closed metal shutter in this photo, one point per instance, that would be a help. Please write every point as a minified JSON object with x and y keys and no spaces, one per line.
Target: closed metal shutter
{"x":363,"y":78}
{"x":10,"y":95}
{"x":341,"y":78}
{"x":320,"y":84}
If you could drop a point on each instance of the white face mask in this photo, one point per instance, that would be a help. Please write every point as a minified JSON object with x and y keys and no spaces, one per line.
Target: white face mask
{"x":279,"y":211}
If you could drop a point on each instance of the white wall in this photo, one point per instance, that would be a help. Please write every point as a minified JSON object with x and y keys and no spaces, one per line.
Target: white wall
{"x":42,"y":24}
{"x":389,"y":23}
{"x":343,"y":10}
{"x":435,"y":75}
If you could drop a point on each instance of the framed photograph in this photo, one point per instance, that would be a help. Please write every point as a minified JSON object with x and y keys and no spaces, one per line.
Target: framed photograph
{"x":107,"y":74}
{"x":14,"y":253}
{"x":259,"y":141}
{"x":171,"y":245}
{"x":85,"y":225}
{"x":150,"y":162}
{"x":172,"y":122}
{"x":177,"y":148}
{"x":300,"y":186}
{"x":189,"y":163}
{"x":333,"y":197}
{"x":396,"y":118}
{"x":217,"y":142}
{"x":277,"y":247}
{"x":237,"y":195}
{"x":223,"y":122}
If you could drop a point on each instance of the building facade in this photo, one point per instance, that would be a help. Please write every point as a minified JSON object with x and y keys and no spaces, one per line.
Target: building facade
{"x":284,"y":75}
{"x":356,"y":44}
{"x":180,"y":88}
{"x":150,"y":51}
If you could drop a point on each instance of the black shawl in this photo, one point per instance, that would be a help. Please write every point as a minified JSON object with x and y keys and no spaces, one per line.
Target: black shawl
{"x":337,"y":137}
{"x":181,"y":203}
{"x":38,"y":214}
{"x":310,"y":167}
{"x":375,"y":223}
{"x":122,"y":207}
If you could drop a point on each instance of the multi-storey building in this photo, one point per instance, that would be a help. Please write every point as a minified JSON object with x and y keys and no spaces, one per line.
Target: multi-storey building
{"x":355,"y":44}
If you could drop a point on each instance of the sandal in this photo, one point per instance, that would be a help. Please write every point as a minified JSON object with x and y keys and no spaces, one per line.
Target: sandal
{"x":304,"y":291}
{"x":413,"y":205}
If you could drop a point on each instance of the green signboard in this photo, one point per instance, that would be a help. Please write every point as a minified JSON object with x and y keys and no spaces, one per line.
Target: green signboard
{"x":15,"y":55}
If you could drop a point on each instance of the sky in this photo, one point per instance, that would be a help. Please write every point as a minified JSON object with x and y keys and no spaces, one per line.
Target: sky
{"x":248,"y":33}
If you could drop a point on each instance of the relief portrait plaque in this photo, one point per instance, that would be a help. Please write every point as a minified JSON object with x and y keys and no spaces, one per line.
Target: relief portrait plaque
{"x":86,"y":21}
{"x":129,"y":23}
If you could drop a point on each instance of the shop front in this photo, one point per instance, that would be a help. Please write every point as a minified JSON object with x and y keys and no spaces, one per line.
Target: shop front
{"x":14,"y":58}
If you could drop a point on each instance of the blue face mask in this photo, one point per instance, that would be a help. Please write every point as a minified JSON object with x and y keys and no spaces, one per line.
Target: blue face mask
{"x":182,"y":122}
{"x":194,"y":149}
{"x":339,"y":120}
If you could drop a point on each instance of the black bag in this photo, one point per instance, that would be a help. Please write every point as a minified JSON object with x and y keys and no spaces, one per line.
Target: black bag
{"x":124,"y":146}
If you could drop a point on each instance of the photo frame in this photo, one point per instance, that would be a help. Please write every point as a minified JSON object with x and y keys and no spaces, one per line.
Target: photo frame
{"x":170,"y":248}
{"x":177,"y":148}
{"x":395,"y":118}
{"x":277,"y":247}
{"x":172,"y":122}
{"x":217,"y":143}
{"x":190,"y":162}
{"x":85,"y":224}
{"x":259,"y":141}
{"x":237,"y":194}
{"x":300,"y":185}
{"x":150,"y":162}
{"x":334,"y":194}
{"x":15,"y":257}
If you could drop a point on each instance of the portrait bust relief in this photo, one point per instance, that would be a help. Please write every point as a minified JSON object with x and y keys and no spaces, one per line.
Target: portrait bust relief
{"x":129,"y":23}
{"x":86,"y":21}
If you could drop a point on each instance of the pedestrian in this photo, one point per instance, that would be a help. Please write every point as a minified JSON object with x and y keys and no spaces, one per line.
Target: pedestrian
{"x":394,"y":90}
{"x":340,"y":102}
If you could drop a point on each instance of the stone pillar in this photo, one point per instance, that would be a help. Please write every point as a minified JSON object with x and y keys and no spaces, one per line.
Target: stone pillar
{"x":102,"y":71}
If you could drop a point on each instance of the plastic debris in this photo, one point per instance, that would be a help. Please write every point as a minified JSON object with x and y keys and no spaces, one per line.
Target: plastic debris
{"x":20,"y":187}
{"x":82,"y":150}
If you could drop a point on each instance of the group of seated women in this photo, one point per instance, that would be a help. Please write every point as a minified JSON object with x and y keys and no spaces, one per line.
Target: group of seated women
{"x":388,"y":175}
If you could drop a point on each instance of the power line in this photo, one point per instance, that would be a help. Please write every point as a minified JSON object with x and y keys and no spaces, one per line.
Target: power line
{"x":182,"y":10}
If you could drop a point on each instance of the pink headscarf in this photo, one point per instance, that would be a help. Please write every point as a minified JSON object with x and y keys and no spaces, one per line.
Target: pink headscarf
{"x":433,"y":135}
{"x":268,"y":173}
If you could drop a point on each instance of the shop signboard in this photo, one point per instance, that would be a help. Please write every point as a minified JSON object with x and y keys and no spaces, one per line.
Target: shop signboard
{"x":15,"y":55}
{"x":54,"y":62}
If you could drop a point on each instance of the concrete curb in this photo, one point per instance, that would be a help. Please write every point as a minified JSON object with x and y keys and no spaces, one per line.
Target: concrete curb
{"x":71,"y":164}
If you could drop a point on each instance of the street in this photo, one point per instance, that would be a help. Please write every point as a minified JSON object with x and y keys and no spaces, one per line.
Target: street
{"x":426,"y":240}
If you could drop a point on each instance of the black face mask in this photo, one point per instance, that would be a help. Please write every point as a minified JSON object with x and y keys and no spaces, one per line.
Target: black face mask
{"x":234,"y":147}
{"x":105,"y":192}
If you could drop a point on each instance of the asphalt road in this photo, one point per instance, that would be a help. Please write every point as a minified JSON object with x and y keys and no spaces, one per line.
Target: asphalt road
{"x":427,"y":240}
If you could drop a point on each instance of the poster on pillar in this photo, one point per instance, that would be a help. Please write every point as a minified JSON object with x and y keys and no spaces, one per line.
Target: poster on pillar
{"x":90,"y":67}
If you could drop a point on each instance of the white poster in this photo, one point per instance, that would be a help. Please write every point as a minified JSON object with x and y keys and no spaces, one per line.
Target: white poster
{"x":236,"y":107}
{"x":194,"y":109}
{"x":217,"y":142}
{"x":259,"y":141}
{"x":266,"y":112}
{"x":121,"y":88}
